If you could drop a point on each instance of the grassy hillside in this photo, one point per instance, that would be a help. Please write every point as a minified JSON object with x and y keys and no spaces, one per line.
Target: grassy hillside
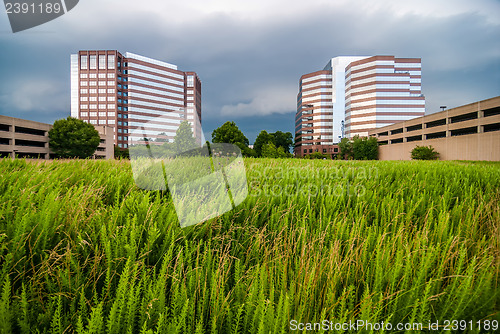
{"x":83,"y":250}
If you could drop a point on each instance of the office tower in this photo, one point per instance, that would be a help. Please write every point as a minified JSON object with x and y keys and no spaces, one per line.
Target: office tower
{"x":129,"y":92}
{"x":352,"y":95}
{"x":380,"y":91}
{"x":320,"y":108}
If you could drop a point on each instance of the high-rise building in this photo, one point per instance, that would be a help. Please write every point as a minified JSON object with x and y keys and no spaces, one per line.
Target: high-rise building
{"x":129,"y":92}
{"x":352,"y":95}
{"x":380,"y":91}
{"x":320,"y":108}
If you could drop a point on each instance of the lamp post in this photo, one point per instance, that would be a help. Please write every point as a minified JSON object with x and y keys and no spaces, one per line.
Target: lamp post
{"x":442,"y":108}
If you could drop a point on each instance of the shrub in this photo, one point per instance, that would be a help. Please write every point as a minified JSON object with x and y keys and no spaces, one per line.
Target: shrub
{"x":317,"y":155}
{"x":424,"y":153}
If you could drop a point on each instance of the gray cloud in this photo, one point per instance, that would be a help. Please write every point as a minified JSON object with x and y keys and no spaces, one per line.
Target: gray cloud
{"x":250,"y":58}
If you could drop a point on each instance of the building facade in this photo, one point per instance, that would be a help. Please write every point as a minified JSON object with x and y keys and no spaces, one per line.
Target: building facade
{"x":352,"y":95}
{"x":135,"y":95}
{"x":319,"y":119}
{"x":380,"y":91}
{"x":28,"y":139}
{"x":469,"y":132}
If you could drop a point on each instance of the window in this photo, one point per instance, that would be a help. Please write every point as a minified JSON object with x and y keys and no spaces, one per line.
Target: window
{"x":83,"y":76}
{"x":93,"y":121}
{"x":83,"y":62}
{"x":111,"y":106}
{"x":102,"y":75}
{"x":84,"y":98}
{"x":190,"y":81}
{"x":111,"y":98}
{"x":111,"y":121}
{"x":111,"y":90}
{"x":102,"y":90}
{"x":102,"y":106}
{"x":84,"y":91}
{"x":111,"y":75}
{"x":93,"y":106}
{"x":84,"y":114}
{"x":111,"y":62}
{"x":102,"y":113}
{"x":102,"y":62}
{"x":119,"y":130}
{"x":119,"y":137}
{"x":102,"y":98}
{"x":93,"y":91}
{"x":111,"y":83}
{"x":83,"y":83}
{"x":93,"y":62}
{"x":84,"y":106}
{"x":102,"y":83}
{"x":92,"y":83}
{"x":92,"y":75}
{"x":93,"y":114}
{"x":93,"y":98}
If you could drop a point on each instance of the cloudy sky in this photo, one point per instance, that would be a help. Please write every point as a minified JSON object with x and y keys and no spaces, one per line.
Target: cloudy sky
{"x":251,"y":54}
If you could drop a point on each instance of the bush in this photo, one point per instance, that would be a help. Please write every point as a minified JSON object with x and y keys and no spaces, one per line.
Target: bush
{"x":317,"y":155}
{"x":424,"y":153}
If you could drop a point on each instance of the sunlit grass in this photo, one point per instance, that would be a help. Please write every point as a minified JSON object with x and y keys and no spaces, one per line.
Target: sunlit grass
{"x":83,"y":250}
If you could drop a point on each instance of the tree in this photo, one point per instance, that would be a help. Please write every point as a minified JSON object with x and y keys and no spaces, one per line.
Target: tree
{"x":162,"y":139}
{"x":121,"y":153}
{"x":359,"y":148}
{"x":424,"y":153}
{"x":262,"y":139}
{"x":365,"y":148}
{"x":229,"y":133}
{"x":278,"y":138}
{"x":184,"y":139}
{"x":269,"y":150}
{"x":73,"y":138}
{"x":345,"y":148}
{"x":246,"y":151}
{"x":283,"y":139}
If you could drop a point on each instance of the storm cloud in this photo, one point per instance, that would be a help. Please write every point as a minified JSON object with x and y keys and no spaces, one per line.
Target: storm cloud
{"x":250,"y":55}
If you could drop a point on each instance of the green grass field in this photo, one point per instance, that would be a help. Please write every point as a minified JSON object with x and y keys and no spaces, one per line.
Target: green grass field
{"x":83,"y":250}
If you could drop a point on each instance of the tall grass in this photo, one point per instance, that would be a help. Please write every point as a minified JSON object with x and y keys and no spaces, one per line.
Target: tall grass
{"x":83,"y":250}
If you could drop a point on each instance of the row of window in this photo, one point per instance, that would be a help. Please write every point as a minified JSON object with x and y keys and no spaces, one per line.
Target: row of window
{"x":100,"y":122}
{"x":90,"y":62}
{"x":95,"y":106}
{"x":95,"y":90}
{"x":94,"y":99}
{"x":95,"y":75}
{"x":95,"y":83}
{"x":94,"y":114}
